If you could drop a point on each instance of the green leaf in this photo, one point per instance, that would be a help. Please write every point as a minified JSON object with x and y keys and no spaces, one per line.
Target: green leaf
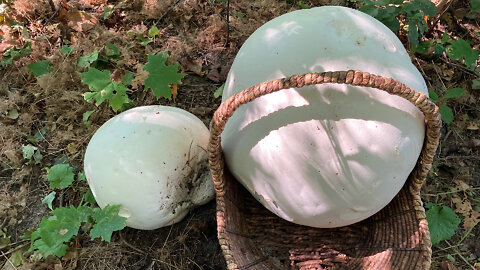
{"x":49,"y":199}
{"x":38,"y":137}
{"x":60,"y":176}
{"x":81,"y":177}
{"x":18,"y":258}
{"x":67,"y":50}
{"x":40,"y":68}
{"x":108,"y":11}
{"x":413,"y":34}
{"x":16,"y":53}
{"x":12,"y":114}
{"x":104,"y":89}
{"x":107,"y":221}
{"x":53,"y":232}
{"x":433,"y":95}
{"x":454,"y":93}
{"x":85,"y":117}
{"x":239,"y":14}
{"x":461,"y":49}
{"x":438,"y":49}
{"x":89,"y":198}
{"x":153,"y":31}
{"x":442,"y":222}
{"x":111,"y":52}
{"x":475,"y":6}
{"x":445,"y":37}
{"x":218,"y":93}
{"x":28,"y":151}
{"x":161,"y":75}
{"x":37,"y":157}
{"x":427,"y":6}
{"x":446,"y":113}
{"x":127,"y":78}
{"x":85,"y":61}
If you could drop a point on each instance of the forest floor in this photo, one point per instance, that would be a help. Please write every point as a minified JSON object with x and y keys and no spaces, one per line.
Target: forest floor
{"x":48,"y":113}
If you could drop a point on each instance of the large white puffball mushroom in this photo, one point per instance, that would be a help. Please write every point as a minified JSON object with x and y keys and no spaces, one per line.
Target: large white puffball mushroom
{"x":329,"y":155}
{"x":152,"y":161}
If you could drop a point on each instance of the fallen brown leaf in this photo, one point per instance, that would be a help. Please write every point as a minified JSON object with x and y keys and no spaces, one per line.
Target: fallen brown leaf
{"x":447,"y":265}
{"x":79,"y":21}
{"x":464,"y":208}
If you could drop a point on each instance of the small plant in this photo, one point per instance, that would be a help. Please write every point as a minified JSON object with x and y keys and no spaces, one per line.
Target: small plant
{"x":31,"y":153}
{"x":442,"y":222}
{"x":102,"y":88}
{"x":16,"y":53}
{"x":108,"y":11}
{"x":55,"y":232}
{"x":149,"y":37}
{"x":160,"y":75}
{"x":389,"y":12}
{"x":445,"y":111}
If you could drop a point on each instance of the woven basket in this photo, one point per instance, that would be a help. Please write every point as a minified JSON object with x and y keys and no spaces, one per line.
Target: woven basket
{"x":252,"y":237}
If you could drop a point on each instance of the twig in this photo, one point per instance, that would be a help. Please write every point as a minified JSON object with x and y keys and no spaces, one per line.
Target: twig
{"x":464,"y":157}
{"x":130,"y":245}
{"x":443,"y":12}
{"x":228,"y":23}
{"x":52,"y":5}
{"x":461,"y":67}
{"x":17,"y":248}
{"x":168,"y":10}
{"x":223,"y":19}
{"x":8,"y":260}
{"x":460,"y":255}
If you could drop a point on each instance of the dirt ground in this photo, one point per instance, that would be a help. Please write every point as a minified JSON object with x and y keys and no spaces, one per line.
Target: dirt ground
{"x":196,"y":34}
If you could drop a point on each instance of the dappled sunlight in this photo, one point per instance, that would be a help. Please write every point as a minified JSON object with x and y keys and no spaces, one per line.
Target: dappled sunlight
{"x":324,"y":156}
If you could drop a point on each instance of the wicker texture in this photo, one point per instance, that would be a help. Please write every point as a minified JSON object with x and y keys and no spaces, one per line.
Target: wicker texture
{"x":251,"y":237}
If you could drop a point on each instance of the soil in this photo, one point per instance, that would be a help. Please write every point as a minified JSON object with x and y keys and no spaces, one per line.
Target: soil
{"x":203,"y":46}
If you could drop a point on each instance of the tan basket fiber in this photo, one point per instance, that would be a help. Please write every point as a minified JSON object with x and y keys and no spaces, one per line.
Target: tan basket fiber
{"x":252,"y":237}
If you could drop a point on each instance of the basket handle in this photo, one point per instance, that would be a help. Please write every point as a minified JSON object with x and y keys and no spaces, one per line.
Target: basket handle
{"x":350,"y":77}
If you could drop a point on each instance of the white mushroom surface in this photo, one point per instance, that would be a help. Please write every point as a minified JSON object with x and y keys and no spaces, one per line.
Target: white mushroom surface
{"x":153,"y":161}
{"x":329,"y":155}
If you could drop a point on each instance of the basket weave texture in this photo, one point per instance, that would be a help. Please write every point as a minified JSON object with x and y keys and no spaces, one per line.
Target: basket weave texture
{"x":251,"y":237}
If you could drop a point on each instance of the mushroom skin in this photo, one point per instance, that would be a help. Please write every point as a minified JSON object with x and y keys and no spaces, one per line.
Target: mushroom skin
{"x":327,"y":155}
{"x":151,"y":160}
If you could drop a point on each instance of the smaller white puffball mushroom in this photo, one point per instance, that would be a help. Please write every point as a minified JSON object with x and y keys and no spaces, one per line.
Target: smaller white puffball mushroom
{"x":151,"y":160}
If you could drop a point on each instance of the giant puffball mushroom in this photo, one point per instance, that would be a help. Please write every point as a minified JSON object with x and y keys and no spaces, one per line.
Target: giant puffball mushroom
{"x":328,"y":155}
{"x":151,"y":160}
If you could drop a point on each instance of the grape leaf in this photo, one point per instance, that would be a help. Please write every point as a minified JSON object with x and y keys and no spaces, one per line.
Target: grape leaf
{"x":40,"y":68}
{"x":461,"y":49}
{"x":446,"y":113}
{"x":161,"y":75}
{"x":60,"y":176}
{"x":104,"y":89}
{"x":49,"y":199}
{"x":107,"y":221}
{"x":442,"y":222}
{"x":85,"y":61}
{"x":454,"y":92}
{"x":53,"y":232}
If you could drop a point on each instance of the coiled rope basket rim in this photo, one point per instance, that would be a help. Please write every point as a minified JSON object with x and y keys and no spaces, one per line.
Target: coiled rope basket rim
{"x":251,"y":237}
